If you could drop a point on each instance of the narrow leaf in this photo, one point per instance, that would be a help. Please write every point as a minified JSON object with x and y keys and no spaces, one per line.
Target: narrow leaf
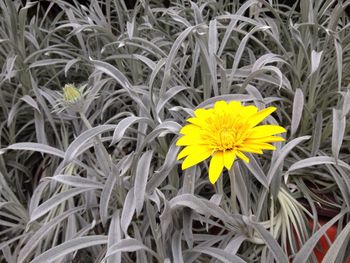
{"x":341,"y":241}
{"x":123,"y":125}
{"x":298,"y":105}
{"x":282,"y":154}
{"x":339,"y":123}
{"x":220,"y":254}
{"x":82,"y":139}
{"x":114,"y":236}
{"x":315,"y":60}
{"x":128,"y":210}
{"x":36,"y":147}
{"x":68,"y":247}
{"x":55,"y":201}
{"x":270,"y":241}
{"x":77,"y":181}
{"x":142,"y":172}
{"x":306,"y":250}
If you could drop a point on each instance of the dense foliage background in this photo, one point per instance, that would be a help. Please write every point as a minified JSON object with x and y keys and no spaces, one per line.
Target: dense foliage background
{"x":98,"y":179}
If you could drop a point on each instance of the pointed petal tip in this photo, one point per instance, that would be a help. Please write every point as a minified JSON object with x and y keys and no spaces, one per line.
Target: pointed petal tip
{"x":220,"y":102}
{"x":177,"y":142}
{"x":229,"y":158}
{"x":243,"y":157}
{"x":187,"y":163}
{"x":220,"y":105}
{"x":216,"y":166}
{"x":184,"y":166}
{"x":183,"y":153}
{"x":213,"y":181}
{"x":272,"y":108}
{"x":194,"y":159}
{"x":228,"y":167}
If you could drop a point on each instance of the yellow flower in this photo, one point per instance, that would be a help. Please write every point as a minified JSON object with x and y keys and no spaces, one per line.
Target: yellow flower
{"x":225,"y":132}
{"x":71,"y":93}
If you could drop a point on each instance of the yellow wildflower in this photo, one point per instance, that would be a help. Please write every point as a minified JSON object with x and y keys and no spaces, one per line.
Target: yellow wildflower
{"x":225,"y":132}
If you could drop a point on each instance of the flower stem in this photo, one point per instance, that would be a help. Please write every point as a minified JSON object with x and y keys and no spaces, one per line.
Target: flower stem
{"x":233,"y":191}
{"x":85,"y":120}
{"x":272,"y":213}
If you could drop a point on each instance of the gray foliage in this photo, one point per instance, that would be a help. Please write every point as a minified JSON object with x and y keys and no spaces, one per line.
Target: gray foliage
{"x":98,"y":180}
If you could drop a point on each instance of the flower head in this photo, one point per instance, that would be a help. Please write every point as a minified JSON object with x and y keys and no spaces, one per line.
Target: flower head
{"x":70,"y":93}
{"x":73,"y":98}
{"x":226,"y":132}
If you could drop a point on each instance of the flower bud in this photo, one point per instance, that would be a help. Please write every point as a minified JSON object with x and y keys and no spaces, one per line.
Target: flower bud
{"x":71,"y":94}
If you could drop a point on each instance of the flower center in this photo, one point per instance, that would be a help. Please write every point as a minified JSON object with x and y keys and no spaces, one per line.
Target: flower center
{"x":227,"y":139}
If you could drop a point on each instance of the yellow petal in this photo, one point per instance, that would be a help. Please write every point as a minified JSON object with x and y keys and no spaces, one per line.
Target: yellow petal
{"x":197,"y":121}
{"x":234,"y":106}
{"x":242,"y":156}
{"x":229,"y":157}
{"x":190,"y":129}
{"x":220,"y":106}
{"x":195,"y":158}
{"x":192,"y":149}
{"x":250,"y":149}
{"x":189,"y":140}
{"x":216,"y":166}
{"x":200,"y":113}
{"x":248,"y":111}
{"x":262,"y":146}
{"x":264,"y":139}
{"x":259,"y":116}
{"x":266,"y":130}
{"x":183,"y":153}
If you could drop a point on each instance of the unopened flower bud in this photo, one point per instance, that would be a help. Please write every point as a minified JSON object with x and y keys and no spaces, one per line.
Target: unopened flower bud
{"x":70,"y":93}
